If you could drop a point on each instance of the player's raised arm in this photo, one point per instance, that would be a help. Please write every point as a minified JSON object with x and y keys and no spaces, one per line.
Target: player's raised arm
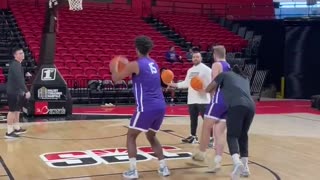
{"x":129,"y":69}
{"x":183,"y":84}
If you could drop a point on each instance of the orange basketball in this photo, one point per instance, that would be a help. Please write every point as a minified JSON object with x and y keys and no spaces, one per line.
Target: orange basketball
{"x":122,"y":64}
{"x":121,"y":61}
{"x":196,"y":83}
{"x":167,"y":76}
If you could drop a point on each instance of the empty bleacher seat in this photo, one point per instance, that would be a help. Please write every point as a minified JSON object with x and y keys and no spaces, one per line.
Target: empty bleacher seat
{"x":206,"y":32}
{"x":90,"y":38}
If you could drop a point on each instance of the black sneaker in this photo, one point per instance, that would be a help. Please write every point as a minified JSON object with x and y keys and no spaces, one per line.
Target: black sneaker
{"x":187,"y":140}
{"x":20,"y":131}
{"x":191,"y":140}
{"x":12,"y":135}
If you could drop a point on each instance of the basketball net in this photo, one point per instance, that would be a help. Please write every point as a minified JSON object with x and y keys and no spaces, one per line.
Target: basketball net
{"x":75,"y":5}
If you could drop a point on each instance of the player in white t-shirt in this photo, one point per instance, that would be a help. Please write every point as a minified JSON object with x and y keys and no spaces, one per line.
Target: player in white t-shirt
{"x":197,"y":101}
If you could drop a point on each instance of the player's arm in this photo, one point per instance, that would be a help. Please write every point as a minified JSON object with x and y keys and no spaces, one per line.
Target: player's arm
{"x":131,"y":68}
{"x":183,"y":84}
{"x":216,"y":70}
{"x":214,"y":84}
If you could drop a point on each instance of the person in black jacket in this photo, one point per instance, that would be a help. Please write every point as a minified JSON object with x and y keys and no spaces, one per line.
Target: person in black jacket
{"x":241,"y":110}
{"x":16,"y":92}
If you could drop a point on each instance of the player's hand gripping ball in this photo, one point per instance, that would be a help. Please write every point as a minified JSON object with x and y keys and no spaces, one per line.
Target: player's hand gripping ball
{"x":118,"y":64}
{"x":167,"y":76}
{"x":196,"y":83}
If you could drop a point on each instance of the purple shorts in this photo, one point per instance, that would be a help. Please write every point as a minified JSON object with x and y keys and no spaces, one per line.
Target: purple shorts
{"x":216,"y":111}
{"x":147,"y":120}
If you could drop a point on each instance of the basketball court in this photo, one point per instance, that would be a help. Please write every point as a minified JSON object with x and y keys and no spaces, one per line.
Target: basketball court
{"x":283,"y":145}
{"x":90,"y":143}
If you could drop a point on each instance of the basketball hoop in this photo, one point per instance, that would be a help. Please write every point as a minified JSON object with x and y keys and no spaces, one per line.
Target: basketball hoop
{"x":75,"y":5}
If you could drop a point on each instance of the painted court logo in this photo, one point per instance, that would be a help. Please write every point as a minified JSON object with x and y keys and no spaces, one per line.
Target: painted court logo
{"x":107,"y":156}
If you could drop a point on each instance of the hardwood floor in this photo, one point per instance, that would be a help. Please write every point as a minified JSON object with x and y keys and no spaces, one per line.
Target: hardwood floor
{"x":281,"y":147}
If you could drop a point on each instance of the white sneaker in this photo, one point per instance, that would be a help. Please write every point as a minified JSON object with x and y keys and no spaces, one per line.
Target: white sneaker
{"x":164,"y":171}
{"x":131,"y":174}
{"x":198,"y":156}
{"x":246,"y":171}
{"x":214,"y":167}
{"x":237,"y":169}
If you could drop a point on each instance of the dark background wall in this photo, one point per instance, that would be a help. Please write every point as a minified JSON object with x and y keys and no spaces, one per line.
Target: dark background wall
{"x":302,"y":61}
{"x":271,"y":52}
{"x":290,"y":48}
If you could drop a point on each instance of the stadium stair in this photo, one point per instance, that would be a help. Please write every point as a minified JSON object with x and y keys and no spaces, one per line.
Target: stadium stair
{"x":10,"y":36}
{"x":88,"y":40}
{"x":203,"y":32}
{"x":168,"y":32}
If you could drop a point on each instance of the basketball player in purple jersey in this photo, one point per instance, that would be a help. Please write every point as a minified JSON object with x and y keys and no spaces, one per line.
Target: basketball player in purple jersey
{"x":215,"y":114}
{"x":150,"y":104}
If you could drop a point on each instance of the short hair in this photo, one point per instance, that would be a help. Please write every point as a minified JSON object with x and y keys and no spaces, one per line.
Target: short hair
{"x":144,"y":44}
{"x":236,"y":69}
{"x":197,"y":52}
{"x":15,"y":49}
{"x":195,"y":49}
{"x":219,"y":51}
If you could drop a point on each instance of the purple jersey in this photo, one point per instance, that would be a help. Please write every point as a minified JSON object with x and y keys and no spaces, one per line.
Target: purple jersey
{"x":217,"y":109}
{"x":147,"y":86}
{"x":218,"y":98}
{"x":225,"y":66}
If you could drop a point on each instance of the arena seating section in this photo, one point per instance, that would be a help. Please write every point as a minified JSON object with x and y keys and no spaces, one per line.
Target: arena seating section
{"x":201,"y":31}
{"x":10,"y":36}
{"x":4,"y":55}
{"x":89,"y":39}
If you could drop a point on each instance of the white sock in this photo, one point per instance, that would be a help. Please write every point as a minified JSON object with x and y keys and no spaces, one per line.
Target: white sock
{"x":217,"y":159}
{"x":162,"y":163}
{"x":16,"y":126}
{"x":10,"y":129}
{"x":236,"y":159}
{"x":133,"y":163}
{"x":245,"y":160}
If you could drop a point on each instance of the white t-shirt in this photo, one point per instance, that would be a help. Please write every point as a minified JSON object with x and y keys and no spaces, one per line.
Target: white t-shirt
{"x":194,"y":97}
